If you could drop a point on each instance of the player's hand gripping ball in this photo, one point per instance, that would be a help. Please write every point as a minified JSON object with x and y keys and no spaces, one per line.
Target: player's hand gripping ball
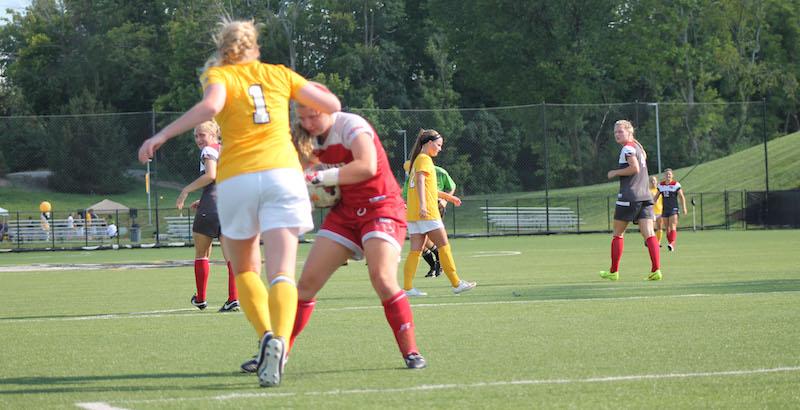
{"x":321,"y":196}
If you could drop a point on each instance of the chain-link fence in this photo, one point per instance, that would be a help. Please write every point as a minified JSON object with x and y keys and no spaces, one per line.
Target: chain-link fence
{"x":523,"y":169}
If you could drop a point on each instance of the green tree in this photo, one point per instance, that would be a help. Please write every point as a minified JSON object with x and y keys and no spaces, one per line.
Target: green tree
{"x":87,"y":153}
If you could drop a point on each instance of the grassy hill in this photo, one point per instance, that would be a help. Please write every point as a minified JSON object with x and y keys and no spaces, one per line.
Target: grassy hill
{"x":743,"y":170}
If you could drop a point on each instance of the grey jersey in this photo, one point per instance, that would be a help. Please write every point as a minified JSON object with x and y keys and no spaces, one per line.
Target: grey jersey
{"x":634,"y":188}
{"x":208,"y":199}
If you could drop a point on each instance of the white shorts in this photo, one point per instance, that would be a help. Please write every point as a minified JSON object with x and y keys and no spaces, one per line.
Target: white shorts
{"x":251,"y":203}
{"x":422,"y":227}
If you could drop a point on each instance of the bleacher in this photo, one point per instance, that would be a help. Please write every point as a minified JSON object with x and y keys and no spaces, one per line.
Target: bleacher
{"x":30,"y":230}
{"x":179,"y":228}
{"x":525,"y":218}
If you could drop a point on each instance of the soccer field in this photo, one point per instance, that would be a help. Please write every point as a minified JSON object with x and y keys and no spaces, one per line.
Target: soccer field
{"x":540,"y":330}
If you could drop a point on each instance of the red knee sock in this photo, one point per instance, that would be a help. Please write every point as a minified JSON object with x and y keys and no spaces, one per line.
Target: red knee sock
{"x":671,"y":236}
{"x":304,"y":310}
{"x":232,"y":293}
{"x":655,"y":254}
{"x":401,"y":320}
{"x":201,"y":270}
{"x":617,"y":244}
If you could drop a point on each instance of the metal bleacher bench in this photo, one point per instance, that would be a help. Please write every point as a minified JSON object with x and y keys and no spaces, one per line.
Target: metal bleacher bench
{"x":30,"y":230}
{"x":179,"y":227}
{"x":526,"y":218}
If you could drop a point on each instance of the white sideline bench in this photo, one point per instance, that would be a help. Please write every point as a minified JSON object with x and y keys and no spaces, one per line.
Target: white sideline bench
{"x":30,"y":230}
{"x":179,"y":227}
{"x":526,"y":218}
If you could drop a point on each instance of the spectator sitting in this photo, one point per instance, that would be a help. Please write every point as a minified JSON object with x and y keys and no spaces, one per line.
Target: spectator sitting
{"x":111,"y":229}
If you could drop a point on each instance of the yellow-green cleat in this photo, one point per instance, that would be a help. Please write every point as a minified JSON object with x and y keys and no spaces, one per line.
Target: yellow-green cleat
{"x":609,"y":275}
{"x":655,"y":275}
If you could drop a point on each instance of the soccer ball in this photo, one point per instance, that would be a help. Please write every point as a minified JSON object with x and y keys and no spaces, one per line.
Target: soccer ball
{"x":324,"y":196}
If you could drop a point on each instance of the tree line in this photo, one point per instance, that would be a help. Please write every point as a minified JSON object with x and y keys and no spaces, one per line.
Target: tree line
{"x":73,"y":57}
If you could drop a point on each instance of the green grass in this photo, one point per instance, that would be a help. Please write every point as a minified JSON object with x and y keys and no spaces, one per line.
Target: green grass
{"x":541,"y":330}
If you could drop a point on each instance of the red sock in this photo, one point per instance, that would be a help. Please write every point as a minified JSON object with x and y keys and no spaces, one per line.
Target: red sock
{"x":655,"y":254}
{"x":671,"y":236}
{"x":401,"y":320}
{"x":304,"y":310}
{"x":201,"y":270}
{"x":617,"y":244}
{"x":232,"y":293}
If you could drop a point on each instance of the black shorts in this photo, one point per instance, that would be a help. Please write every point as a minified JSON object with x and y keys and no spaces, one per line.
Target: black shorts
{"x":634,"y":211}
{"x":207,"y":224}
{"x":667,"y":212}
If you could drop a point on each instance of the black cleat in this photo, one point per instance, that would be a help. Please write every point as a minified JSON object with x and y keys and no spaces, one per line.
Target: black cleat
{"x":200,"y":305}
{"x":415,"y":361}
{"x":250,"y":366}
{"x":232,"y":306}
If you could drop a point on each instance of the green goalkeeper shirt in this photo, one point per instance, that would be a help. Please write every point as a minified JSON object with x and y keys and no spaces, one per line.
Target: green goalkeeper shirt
{"x":443,"y":182}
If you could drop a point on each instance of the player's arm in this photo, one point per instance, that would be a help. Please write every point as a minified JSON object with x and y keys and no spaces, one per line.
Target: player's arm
{"x":200,"y":182}
{"x":365,"y":161}
{"x":212,"y":103}
{"x":363,"y":166}
{"x":656,"y":196}
{"x":448,"y":187}
{"x":449,"y":197}
{"x":423,"y":206}
{"x":683,"y":200}
{"x":631,"y":169}
{"x":317,"y":96}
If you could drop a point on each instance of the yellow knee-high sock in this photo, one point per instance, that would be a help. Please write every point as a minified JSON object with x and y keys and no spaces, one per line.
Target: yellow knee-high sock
{"x":448,"y":264}
{"x":254,"y":299}
{"x":659,"y":234}
{"x":410,"y":269}
{"x":282,"y":305}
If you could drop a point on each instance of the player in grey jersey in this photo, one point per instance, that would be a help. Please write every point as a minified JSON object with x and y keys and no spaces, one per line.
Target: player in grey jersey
{"x":634,"y":201}
{"x":670,"y":190}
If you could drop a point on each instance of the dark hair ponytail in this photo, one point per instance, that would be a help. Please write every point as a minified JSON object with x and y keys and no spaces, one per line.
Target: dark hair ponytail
{"x":423,"y":137}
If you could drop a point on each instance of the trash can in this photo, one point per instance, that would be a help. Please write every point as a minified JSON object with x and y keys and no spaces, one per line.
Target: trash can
{"x":136,"y":233}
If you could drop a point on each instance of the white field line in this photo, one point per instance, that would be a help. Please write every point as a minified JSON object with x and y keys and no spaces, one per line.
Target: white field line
{"x":177,"y":312}
{"x":459,"y":386}
{"x":97,"y":405}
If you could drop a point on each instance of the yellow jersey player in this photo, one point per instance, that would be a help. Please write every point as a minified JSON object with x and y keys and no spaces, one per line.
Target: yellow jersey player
{"x":261,"y":191}
{"x":424,"y":219}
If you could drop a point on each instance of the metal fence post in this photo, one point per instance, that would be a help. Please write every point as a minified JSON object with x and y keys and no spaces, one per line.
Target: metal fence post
{"x":727,"y":211}
{"x":608,"y":211}
{"x":454,"y":221}
{"x":19,"y":239}
{"x":578,"y":208}
{"x":516,"y":209}
{"x":487,"y":216}
{"x":744,"y":210}
{"x":702,"y":225}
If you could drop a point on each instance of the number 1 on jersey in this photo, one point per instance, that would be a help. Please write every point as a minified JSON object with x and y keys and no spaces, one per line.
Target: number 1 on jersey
{"x":261,"y":115}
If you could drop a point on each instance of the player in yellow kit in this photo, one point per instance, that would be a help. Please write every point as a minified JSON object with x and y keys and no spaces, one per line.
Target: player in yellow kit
{"x":260,"y":184}
{"x":424,"y":220}
{"x":657,"y":207}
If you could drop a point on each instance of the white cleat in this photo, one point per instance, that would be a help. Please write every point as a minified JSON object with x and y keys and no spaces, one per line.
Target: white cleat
{"x":272,"y":356}
{"x":464,"y":286}
{"x":415,"y":292}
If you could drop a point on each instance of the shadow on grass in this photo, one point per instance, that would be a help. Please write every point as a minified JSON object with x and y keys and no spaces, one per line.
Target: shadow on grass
{"x":631,"y":289}
{"x":88,"y":384}
{"x":100,"y":315}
